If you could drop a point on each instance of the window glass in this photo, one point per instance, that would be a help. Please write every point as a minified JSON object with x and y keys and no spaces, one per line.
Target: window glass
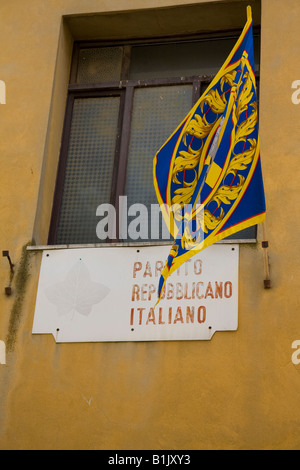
{"x":182,"y":59}
{"x":88,"y":174}
{"x":99,"y":64}
{"x":157,"y":111}
{"x":113,"y":138}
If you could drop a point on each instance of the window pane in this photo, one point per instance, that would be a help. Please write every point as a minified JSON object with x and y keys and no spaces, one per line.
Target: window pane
{"x":246,"y":234}
{"x":89,"y":168}
{"x":156,"y":113}
{"x":182,"y":59}
{"x":98,"y":65}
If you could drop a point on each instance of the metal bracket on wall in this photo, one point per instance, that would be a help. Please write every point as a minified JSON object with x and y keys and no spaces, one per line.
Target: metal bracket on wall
{"x":265,"y":246}
{"x":267,"y":280}
{"x":8,"y":290}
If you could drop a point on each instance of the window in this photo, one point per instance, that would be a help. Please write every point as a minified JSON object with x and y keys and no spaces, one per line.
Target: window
{"x":124,"y":101}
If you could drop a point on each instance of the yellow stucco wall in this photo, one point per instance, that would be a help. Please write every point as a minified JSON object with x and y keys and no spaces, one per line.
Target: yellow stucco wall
{"x":238,"y":391}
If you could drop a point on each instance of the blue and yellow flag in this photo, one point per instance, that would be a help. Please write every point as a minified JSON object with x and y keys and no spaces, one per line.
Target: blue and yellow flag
{"x":207,"y":176}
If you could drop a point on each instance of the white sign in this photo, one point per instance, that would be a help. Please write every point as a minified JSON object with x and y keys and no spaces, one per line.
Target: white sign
{"x":109,"y":294}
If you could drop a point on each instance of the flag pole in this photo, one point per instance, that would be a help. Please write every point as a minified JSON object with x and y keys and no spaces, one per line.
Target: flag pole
{"x":249,"y":13}
{"x":265,"y":245}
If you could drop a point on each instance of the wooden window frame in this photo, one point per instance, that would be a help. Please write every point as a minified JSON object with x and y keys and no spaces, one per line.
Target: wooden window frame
{"x":125,"y":90}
